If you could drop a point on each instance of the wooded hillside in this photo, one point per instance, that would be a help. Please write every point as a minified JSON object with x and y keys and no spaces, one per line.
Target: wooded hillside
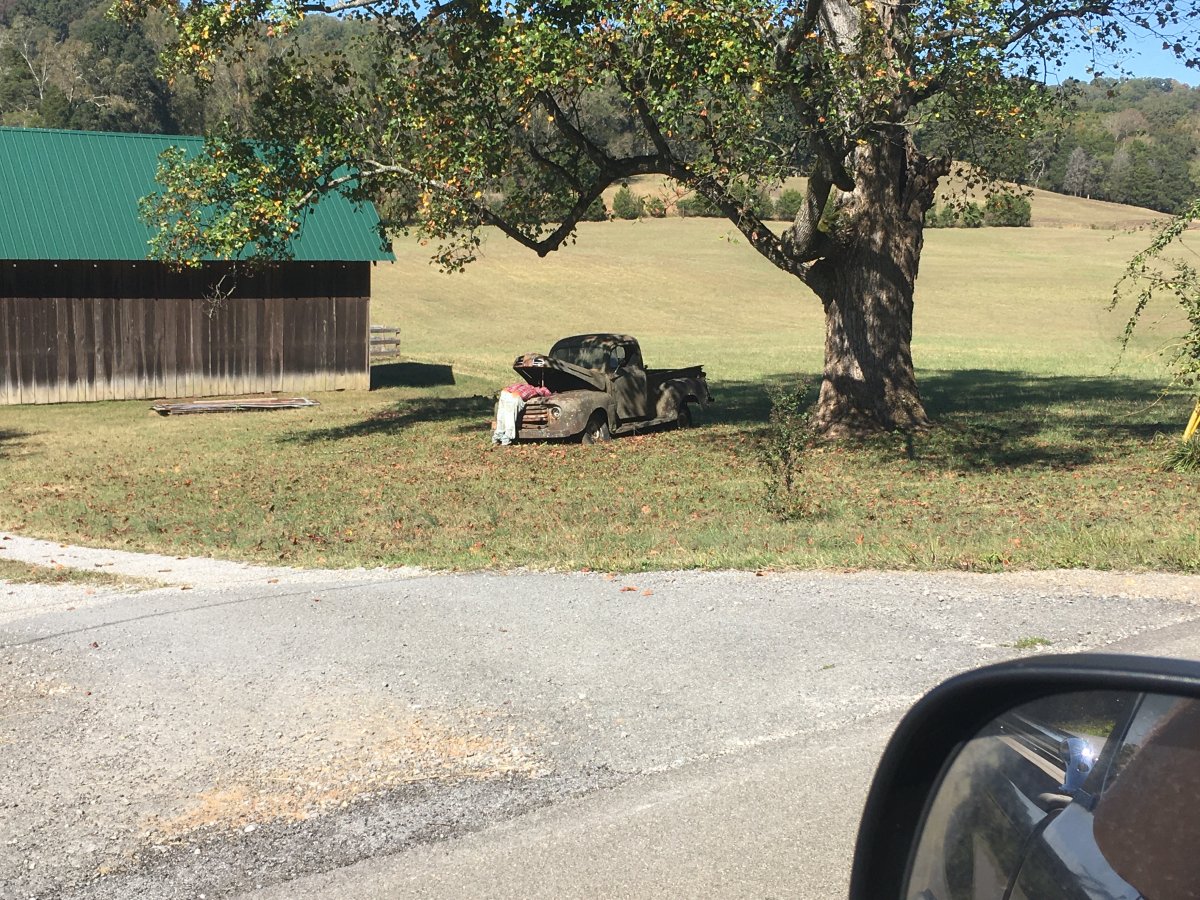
{"x":1135,"y":142}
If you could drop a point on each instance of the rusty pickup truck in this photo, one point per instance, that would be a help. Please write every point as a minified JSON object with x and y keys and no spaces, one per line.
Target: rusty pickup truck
{"x":600,"y":387}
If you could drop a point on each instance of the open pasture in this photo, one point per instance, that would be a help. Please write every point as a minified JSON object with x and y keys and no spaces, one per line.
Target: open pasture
{"x":1045,"y":456}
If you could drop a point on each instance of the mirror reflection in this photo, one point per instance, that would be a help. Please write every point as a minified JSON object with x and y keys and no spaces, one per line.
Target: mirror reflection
{"x":1080,"y":795}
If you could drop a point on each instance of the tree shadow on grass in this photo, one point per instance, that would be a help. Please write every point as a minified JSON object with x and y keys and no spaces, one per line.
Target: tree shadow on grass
{"x":8,"y":438}
{"x":994,"y":419}
{"x":405,"y":414}
{"x":1008,"y":392}
{"x":984,"y":418}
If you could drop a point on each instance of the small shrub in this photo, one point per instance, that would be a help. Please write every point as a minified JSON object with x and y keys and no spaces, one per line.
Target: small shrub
{"x":1184,"y":456}
{"x":1007,"y":211}
{"x":754,"y":199}
{"x":789,"y":204}
{"x":655,"y":207}
{"x":947,"y":216}
{"x":596,"y":212}
{"x":555,"y":211}
{"x":789,"y":435}
{"x":697,"y":206}
{"x":626,"y":205}
{"x":971,"y":216}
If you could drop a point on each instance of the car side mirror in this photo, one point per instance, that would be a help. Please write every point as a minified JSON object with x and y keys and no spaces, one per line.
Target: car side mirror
{"x":1055,"y":776}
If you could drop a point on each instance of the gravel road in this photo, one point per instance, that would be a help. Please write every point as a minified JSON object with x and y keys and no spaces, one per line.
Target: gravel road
{"x":241,"y":727}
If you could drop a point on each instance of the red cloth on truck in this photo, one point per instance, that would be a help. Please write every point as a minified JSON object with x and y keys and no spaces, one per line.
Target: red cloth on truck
{"x":527,"y":391}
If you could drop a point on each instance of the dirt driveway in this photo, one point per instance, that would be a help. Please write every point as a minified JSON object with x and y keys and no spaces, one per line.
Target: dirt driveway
{"x":239,"y":727}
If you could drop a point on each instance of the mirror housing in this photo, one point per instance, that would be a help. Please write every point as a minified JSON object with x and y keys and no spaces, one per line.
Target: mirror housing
{"x":932,"y":733}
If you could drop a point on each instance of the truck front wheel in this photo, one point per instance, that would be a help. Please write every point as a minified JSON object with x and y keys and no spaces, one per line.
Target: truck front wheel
{"x":596,"y":430}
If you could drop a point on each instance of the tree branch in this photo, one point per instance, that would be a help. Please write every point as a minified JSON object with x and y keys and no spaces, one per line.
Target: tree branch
{"x":563,"y":123}
{"x":1054,"y":15}
{"x":347,"y":5}
{"x":561,"y":171}
{"x":757,"y":233}
{"x":651,"y":126}
{"x":799,"y":31}
{"x":805,"y":241}
{"x":949,"y":34}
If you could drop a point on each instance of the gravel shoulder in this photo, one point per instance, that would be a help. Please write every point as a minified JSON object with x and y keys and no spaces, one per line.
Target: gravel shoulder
{"x":216,"y":573}
{"x":245,"y":726}
{"x":192,"y":572}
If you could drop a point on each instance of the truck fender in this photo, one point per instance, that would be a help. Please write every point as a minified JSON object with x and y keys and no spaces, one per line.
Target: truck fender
{"x":674,"y":394}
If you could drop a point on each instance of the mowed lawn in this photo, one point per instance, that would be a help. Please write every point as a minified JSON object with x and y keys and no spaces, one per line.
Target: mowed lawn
{"x":1044,"y":455}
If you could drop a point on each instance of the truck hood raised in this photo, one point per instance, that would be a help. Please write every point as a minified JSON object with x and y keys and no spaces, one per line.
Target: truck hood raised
{"x":541,"y":370}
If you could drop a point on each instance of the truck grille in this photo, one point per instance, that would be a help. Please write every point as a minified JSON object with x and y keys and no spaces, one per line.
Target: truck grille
{"x":535,"y":415}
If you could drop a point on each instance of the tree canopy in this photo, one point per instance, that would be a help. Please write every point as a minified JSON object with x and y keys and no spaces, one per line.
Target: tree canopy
{"x":468,"y":113}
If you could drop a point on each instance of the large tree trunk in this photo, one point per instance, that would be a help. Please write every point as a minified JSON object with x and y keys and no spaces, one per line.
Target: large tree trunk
{"x":866,"y":285}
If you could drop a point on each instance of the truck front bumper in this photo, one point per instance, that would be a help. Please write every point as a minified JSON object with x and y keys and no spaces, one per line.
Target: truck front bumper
{"x":548,"y":420}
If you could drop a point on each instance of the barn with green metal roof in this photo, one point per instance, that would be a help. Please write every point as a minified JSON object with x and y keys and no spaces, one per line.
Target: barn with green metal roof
{"x":84,"y":315}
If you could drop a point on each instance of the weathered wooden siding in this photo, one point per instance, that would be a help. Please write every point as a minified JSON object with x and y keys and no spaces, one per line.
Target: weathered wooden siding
{"x":112,"y":331}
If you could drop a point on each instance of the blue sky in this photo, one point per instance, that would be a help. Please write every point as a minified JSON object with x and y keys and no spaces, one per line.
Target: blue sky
{"x":1146,"y":59}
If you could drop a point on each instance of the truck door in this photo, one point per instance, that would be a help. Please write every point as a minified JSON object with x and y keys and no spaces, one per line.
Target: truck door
{"x":630,"y":390}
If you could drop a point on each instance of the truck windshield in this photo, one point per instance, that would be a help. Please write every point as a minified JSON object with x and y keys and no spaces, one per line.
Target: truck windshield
{"x":587,"y":356}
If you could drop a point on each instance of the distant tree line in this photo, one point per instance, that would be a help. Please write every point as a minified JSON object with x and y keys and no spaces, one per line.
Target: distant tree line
{"x":1002,"y":209}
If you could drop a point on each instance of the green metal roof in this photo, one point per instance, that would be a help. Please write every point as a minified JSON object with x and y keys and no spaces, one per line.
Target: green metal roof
{"x":74,"y":195}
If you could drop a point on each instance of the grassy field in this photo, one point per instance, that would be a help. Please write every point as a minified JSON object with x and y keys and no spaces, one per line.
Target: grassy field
{"x":1026,"y":299}
{"x":1044,"y":455}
